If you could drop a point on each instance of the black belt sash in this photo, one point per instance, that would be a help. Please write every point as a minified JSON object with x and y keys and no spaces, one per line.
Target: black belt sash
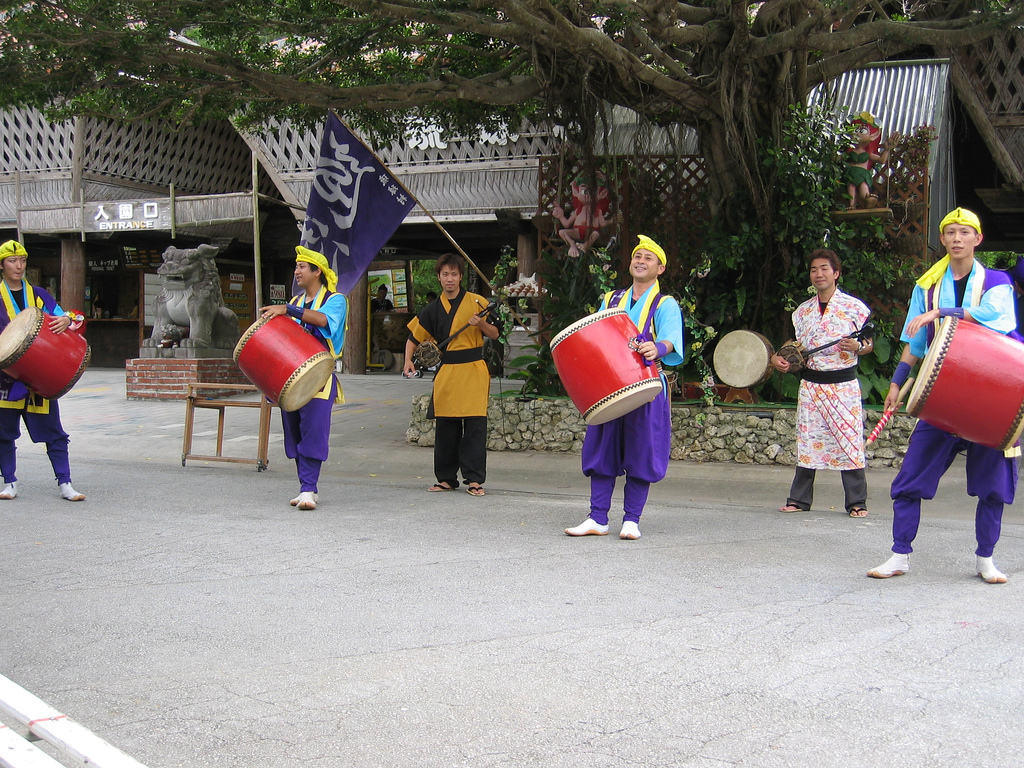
{"x":462,"y":356}
{"x":829,"y":377}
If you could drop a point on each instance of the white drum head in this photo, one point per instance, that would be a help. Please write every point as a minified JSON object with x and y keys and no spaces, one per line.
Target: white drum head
{"x":310,"y":378}
{"x":743,"y":359}
{"x":19,"y":334}
{"x":622,"y":402}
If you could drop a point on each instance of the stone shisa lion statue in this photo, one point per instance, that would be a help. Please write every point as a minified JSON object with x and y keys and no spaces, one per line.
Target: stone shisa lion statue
{"x":190,"y":310}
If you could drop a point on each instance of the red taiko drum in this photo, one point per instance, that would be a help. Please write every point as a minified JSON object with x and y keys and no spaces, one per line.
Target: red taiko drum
{"x":603,"y":375}
{"x":48,"y":363}
{"x":971,"y":383}
{"x":286,"y":363}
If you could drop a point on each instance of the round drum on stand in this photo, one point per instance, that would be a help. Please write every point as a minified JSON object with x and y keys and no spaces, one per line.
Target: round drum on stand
{"x":742,"y":359}
{"x":604,"y":377}
{"x":48,"y":363}
{"x":971,"y":384}
{"x":286,"y":363}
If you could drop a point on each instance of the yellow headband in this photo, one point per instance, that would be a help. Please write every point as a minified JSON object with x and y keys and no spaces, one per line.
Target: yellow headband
{"x":647,"y":244}
{"x":938,"y":269}
{"x":317,"y":260}
{"x":12,"y":248}
{"x":961,"y":216}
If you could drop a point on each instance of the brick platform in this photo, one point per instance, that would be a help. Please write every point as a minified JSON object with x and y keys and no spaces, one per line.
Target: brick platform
{"x":167,"y":379}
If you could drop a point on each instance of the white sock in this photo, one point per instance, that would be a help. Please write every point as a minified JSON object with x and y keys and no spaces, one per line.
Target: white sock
{"x":988,"y":571}
{"x":894,"y":566}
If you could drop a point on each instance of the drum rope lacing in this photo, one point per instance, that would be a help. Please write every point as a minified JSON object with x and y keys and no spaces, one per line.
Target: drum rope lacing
{"x":933,"y":374}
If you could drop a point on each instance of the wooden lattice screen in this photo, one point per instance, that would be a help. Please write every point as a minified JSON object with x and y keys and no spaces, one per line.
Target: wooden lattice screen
{"x":996,"y":65}
{"x":994,"y":68}
{"x":662,"y":197}
{"x":903,"y":183}
{"x":205,"y":159}
{"x":30,"y":143}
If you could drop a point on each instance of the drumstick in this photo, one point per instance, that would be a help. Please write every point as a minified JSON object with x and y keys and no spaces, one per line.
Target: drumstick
{"x":889,"y":413}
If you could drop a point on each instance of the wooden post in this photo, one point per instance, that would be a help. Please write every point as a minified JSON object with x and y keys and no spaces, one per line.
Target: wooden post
{"x":526,"y":254}
{"x":72,"y":273}
{"x":354,"y":359}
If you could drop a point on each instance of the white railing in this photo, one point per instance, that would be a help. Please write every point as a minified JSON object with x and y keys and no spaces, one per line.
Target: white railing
{"x":70,"y":739}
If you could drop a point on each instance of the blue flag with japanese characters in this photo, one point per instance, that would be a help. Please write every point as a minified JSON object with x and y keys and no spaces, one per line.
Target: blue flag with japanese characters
{"x":355,"y":204}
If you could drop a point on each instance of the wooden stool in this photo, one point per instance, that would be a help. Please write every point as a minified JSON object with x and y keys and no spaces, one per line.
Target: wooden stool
{"x":740,"y":395}
{"x":194,"y":400}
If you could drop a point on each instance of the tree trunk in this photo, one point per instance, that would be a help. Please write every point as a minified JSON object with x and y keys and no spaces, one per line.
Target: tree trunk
{"x":354,"y":359}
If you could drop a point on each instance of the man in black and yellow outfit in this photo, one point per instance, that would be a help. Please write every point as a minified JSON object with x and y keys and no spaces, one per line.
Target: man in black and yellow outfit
{"x":462,"y":384}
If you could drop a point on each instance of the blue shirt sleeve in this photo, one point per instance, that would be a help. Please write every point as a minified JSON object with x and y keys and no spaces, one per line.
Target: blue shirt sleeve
{"x":668,"y":326}
{"x":336,"y":311}
{"x":49,"y":303}
{"x":997,"y":310}
{"x":919,"y":343}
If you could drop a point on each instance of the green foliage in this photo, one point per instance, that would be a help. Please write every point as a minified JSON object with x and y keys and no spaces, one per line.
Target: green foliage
{"x":537,"y":372}
{"x":423,"y":280}
{"x":998,"y":259}
{"x":749,"y":277}
{"x":250,"y":61}
{"x":506,"y":267}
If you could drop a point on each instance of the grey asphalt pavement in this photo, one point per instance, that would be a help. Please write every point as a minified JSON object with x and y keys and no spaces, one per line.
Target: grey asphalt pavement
{"x":191,"y":617}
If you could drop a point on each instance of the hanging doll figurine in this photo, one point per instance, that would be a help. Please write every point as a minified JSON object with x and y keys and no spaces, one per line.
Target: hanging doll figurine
{"x":583,"y":225}
{"x":861,"y":157}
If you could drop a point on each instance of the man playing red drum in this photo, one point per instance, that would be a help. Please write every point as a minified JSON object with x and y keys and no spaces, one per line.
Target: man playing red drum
{"x":462,"y":385}
{"x":829,"y":413}
{"x":41,"y":416}
{"x":956,"y":286}
{"x":323,"y":313}
{"x":638,"y":443}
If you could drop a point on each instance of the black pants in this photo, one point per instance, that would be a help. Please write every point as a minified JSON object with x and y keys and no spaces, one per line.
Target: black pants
{"x":460,"y":444}
{"x":855,"y":485}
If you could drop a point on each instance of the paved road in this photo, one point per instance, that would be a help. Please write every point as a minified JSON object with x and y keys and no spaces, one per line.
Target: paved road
{"x":192,"y":618}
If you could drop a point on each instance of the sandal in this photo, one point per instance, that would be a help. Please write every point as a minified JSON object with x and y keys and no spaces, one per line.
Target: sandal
{"x":436,"y":487}
{"x":857,"y":512}
{"x":791,"y":508}
{"x":475,"y":490}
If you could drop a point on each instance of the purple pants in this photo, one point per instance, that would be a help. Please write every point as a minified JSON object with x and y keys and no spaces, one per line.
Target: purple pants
{"x":307,"y":433}
{"x":636,"y":445}
{"x":42,"y":428}
{"x":991,"y":477}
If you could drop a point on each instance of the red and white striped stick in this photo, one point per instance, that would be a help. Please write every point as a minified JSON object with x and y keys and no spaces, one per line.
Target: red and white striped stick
{"x":887,"y":415}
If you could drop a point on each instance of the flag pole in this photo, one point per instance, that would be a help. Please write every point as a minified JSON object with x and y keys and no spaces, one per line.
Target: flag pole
{"x":518,"y":318}
{"x":457,"y":246}
{"x":437,"y":224}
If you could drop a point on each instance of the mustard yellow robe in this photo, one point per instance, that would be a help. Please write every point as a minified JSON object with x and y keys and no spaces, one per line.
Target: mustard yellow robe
{"x":460,"y":389}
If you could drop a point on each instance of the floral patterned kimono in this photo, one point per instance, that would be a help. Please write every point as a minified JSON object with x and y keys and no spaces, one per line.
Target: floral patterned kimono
{"x":830,"y":417}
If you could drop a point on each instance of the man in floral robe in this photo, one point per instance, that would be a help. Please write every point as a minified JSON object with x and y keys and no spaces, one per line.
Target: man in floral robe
{"x":829,"y":414}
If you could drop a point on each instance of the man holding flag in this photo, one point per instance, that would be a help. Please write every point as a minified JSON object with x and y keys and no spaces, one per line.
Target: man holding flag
{"x":354,"y":207}
{"x":323,"y":313}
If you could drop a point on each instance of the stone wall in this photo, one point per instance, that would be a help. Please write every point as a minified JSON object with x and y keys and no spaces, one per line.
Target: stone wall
{"x":746,"y":435}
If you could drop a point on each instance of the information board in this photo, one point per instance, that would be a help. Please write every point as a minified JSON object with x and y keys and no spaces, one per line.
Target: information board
{"x":141,"y":258}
